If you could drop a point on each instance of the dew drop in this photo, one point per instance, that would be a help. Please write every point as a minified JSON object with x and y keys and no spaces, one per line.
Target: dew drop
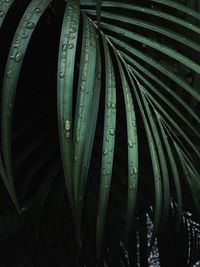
{"x":16,"y":45}
{"x":67,"y":125}
{"x":99,"y":76}
{"x":108,"y":105}
{"x":82,"y":87}
{"x":112,"y":131}
{"x":38,"y":10}
{"x":61,"y":75}
{"x":25,"y":35}
{"x":113,"y":105}
{"x":105,"y":152}
{"x":2,"y":13}
{"x":130,"y":143}
{"x":70,"y":46}
{"x":18,"y":57}
{"x":30,"y":25}
{"x":64,"y":47}
{"x":135,"y":170}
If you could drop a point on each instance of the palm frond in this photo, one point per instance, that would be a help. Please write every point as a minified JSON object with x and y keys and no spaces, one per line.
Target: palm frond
{"x":122,"y":64}
{"x":149,"y":11}
{"x":158,"y":66}
{"x":83,"y":109}
{"x":12,"y":71}
{"x":66,"y":65}
{"x":179,"y":7}
{"x":174,"y":169}
{"x":132,"y":137}
{"x":147,"y":26}
{"x":108,"y":146}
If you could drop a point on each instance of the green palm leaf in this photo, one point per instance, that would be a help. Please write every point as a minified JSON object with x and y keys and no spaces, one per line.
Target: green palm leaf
{"x":149,"y":11}
{"x":174,"y":169}
{"x":147,"y":26}
{"x":158,"y":66}
{"x":108,"y":146}
{"x":132,"y":152}
{"x":83,"y":107}
{"x":155,"y":166}
{"x":179,"y":7}
{"x":66,"y":64}
{"x":12,"y":71}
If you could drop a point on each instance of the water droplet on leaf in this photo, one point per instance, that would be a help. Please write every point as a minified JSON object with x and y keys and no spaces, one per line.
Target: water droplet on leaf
{"x":108,"y":105}
{"x":130,"y":143}
{"x":2,"y":13}
{"x":64,"y":47}
{"x":38,"y":10}
{"x":113,"y":105}
{"x":18,"y":57}
{"x":112,"y":131}
{"x":30,"y":25}
{"x":70,"y":46}
{"x":67,"y":125}
{"x":105,"y":152}
{"x":16,"y":45}
{"x":25,"y":35}
{"x":61,"y":75}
